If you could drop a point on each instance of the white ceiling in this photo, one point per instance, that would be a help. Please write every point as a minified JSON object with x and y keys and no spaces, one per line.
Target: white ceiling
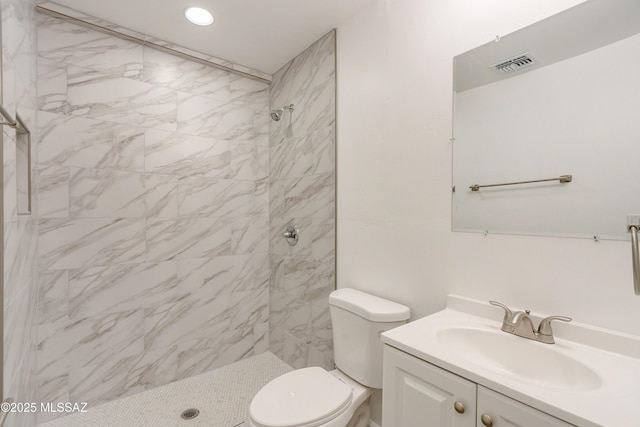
{"x":260,"y":34}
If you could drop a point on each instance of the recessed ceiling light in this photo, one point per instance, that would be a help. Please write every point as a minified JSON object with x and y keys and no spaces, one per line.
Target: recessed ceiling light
{"x":198,"y":16}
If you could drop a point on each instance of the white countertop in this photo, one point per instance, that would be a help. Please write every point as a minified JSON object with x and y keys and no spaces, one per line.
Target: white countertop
{"x":613,"y":401}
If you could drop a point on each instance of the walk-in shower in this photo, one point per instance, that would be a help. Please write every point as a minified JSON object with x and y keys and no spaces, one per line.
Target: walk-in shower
{"x":276,"y":115}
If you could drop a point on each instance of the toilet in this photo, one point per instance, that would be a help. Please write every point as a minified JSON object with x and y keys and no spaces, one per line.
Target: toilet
{"x":311,"y":397}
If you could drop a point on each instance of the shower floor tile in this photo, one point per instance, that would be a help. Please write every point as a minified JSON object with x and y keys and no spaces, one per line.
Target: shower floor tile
{"x":222,"y":396}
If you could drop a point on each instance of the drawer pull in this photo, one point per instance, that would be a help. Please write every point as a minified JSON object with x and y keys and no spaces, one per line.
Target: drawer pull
{"x":487,"y":421}
{"x":459,"y":407}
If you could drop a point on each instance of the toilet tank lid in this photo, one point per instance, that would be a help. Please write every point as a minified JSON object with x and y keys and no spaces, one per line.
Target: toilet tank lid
{"x":367,"y":306}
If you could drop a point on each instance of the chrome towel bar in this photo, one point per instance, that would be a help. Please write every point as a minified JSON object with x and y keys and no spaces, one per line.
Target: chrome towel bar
{"x":561,"y":178}
{"x":16,"y":123}
{"x":635,"y":255}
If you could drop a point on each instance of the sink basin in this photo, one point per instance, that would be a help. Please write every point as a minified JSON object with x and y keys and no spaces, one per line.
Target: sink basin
{"x":524,"y":359}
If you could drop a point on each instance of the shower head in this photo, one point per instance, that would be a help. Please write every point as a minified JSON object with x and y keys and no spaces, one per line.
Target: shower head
{"x":276,"y":115}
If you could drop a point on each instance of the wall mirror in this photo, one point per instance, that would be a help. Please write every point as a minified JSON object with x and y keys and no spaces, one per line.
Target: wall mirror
{"x":559,"y":98}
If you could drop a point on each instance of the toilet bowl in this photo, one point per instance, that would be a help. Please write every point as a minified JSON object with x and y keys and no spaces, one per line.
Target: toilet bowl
{"x":310,"y":397}
{"x":314,"y":397}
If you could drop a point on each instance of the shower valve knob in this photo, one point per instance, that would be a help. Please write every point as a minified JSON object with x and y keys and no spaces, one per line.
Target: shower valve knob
{"x":291,"y":234}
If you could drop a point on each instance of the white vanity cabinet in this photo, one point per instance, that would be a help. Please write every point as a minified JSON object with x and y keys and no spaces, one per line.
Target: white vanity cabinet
{"x":417,"y":393}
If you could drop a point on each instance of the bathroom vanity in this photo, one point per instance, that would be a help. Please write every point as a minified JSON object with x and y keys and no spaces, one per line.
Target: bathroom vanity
{"x":418,"y":391}
{"x":457,"y":368}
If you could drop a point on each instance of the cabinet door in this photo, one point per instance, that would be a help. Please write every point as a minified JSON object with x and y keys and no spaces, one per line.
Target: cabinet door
{"x":506,"y":412}
{"x":418,"y":394}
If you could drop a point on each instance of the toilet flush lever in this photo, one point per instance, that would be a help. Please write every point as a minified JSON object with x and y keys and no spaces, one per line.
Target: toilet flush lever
{"x":291,"y":234}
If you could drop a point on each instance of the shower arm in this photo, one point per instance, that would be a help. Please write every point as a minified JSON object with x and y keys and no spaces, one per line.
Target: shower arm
{"x":289,"y":107}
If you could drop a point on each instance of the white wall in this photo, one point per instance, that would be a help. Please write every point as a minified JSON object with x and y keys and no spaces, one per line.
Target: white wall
{"x":394,"y":176}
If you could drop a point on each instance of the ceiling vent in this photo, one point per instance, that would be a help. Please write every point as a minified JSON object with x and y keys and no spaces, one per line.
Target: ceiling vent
{"x":514,"y":64}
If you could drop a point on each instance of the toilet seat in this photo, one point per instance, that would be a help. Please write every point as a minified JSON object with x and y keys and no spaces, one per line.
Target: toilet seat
{"x":302,"y":398}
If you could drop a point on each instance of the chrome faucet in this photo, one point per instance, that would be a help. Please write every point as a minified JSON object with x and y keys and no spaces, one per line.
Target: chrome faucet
{"x":520,"y":324}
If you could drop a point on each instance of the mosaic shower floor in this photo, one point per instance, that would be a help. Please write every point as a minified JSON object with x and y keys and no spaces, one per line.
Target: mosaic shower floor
{"x":222,"y":396}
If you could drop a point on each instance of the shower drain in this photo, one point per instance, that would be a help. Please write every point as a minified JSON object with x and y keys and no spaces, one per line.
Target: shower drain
{"x":189,"y":414}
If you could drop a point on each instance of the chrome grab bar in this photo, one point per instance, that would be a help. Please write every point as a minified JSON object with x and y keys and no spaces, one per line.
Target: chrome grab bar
{"x":561,"y":178}
{"x":635,"y":255}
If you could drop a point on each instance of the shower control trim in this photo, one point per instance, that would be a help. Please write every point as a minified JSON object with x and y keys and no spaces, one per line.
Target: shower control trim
{"x":291,"y":234}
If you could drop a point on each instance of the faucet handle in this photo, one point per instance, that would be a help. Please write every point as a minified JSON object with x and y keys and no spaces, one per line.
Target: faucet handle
{"x":507,"y":311}
{"x":545,"y":324}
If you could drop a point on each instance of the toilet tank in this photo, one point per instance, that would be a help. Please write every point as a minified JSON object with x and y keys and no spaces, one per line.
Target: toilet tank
{"x":358,"y":319}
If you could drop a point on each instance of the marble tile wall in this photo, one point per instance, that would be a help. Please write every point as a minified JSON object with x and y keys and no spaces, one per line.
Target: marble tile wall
{"x":20,"y":231}
{"x":154,"y":231}
{"x":302,"y":191}
{"x":55,"y":9}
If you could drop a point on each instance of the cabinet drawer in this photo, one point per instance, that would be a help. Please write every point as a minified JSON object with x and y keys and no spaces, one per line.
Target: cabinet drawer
{"x":506,"y":412}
